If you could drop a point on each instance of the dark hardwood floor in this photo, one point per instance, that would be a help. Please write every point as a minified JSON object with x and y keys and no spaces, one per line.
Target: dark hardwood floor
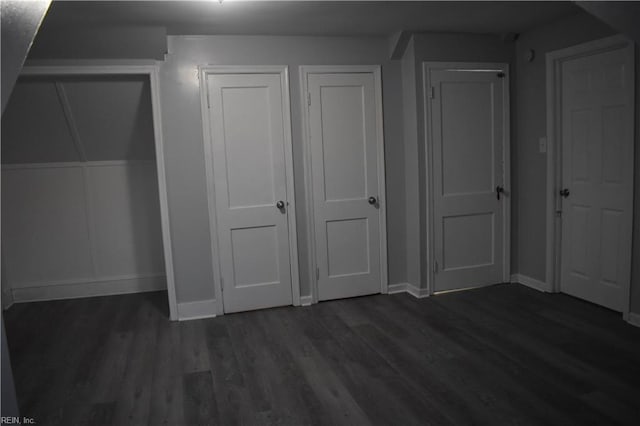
{"x":498,"y":355}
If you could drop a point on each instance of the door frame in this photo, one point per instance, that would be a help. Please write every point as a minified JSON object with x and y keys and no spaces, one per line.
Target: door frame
{"x":151,"y":70}
{"x":554,"y":61}
{"x":427,"y":68}
{"x":204,"y":71}
{"x":304,"y":71}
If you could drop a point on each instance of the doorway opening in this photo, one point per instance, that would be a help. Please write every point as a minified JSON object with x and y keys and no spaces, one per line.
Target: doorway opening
{"x":590,"y":131}
{"x":84,"y":191}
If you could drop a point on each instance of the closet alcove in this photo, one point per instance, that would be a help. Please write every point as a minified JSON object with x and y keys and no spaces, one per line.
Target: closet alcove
{"x":80,"y":201}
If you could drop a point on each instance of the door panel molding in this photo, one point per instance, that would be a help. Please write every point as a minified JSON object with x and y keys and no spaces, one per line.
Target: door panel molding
{"x":283,"y":72}
{"x":554,"y":63}
{"x":304,"y":71}
{"x":427,"y":69}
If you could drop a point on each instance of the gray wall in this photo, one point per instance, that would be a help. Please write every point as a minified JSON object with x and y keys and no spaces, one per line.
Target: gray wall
{"x":88,"y":43}
{"x":404,"y":133}
{"x":529,"y":165}
{"x":443,"y":48}
{"x":410,"y":131}
{"x":184,"y":148}
{"x":635,"y":253}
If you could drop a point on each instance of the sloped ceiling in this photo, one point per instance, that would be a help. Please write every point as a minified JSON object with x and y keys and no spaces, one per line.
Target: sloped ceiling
{"x":83,"y":119}
{"x":20,"y":23}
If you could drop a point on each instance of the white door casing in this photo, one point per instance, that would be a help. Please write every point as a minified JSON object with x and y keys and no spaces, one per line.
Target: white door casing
{"x":597,"y":173}
{"x":249,"y":173}
{"x":346,"y":179}
{"x":467,"y":129}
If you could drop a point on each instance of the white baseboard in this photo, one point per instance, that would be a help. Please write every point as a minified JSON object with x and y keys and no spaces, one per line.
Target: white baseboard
{"x":88,"y":289}
{"x":197,"y":310}
{"x":408,"y":288}
{"x":634,"y":319}
{"x":306,"y":300}
{"x":417,"y":292}
{"x":530,"y":282}
{"x":397,"y":288}
{"x":7,"y":299}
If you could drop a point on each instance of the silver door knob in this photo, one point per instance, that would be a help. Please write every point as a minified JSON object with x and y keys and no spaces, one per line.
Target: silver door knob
{"x":564,"y":193}
{"x":373,"y":200}
{"x":280,"y":205}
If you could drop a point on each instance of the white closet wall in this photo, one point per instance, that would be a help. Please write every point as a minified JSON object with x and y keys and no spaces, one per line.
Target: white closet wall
{"x":80,"y":209}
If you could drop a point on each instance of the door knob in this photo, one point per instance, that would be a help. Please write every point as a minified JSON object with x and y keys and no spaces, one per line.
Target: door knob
{"x":499,"y":190}
{"x":564,"y":193}
{"x":280,"y":205}
{"x":372,"y":200}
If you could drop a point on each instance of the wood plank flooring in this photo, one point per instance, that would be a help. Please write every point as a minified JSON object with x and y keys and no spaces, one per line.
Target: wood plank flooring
{"x":498,"y":355}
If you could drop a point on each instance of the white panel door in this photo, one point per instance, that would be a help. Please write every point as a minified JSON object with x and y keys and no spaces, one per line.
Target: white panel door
{"x":249,"y":168}
{"x":597,"y":177}
{"x":342,"y":124}
{"x":468,"y":137}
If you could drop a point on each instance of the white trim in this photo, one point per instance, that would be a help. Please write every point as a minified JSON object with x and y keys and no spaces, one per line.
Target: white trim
{"x":397,"y":288}
{"x":418,"y":293}
{"x":79,"y":289}
{"x":634,"y":319}
{"x":530,"y":282}
{"x":197,"y":310}
{"x":208,"y":155}
{"x":7,"y":299}
{"x":554,"y":62}
{"x":71,"y":121}
{"x":149,"y":69}
{"x":282,"y":70}
{"x":306,"y":300}
{"x":87,"y":67}
{"x":427,"y":67}
{"x":91,"y":224}
{"x":80,"y":281}
{"x":72,"y":164}
{"x":304,"y":71}
{"x":308,"y":185}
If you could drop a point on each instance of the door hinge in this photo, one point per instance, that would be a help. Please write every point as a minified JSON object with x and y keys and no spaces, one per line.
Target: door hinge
{"x":222,"y":284}
{"x":432,"y":93}
{"x":317,"y":274}
{"x":435,"y":267}
{"x":208,"y":101}
{"x":309,"y":98}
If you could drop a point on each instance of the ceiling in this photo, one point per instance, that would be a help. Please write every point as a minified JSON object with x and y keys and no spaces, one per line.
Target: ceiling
{"x":332,"y":18}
